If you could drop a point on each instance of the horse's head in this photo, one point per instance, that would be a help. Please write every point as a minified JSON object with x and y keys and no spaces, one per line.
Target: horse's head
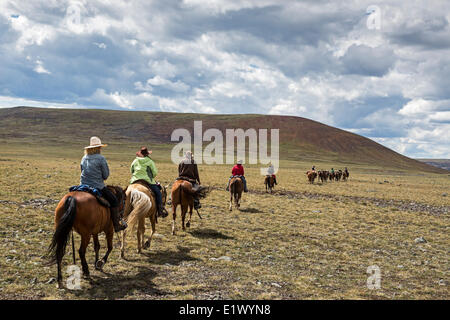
{"x":121,"y":197}
{"x":164,"y":194}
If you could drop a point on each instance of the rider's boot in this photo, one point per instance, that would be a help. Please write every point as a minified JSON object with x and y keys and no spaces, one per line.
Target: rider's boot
{"x":162,"y":212}
{"x":118,"y":223}
{"x":197,"y":204}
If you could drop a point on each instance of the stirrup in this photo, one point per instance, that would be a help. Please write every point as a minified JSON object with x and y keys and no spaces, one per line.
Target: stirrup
{"x":197,"y":204}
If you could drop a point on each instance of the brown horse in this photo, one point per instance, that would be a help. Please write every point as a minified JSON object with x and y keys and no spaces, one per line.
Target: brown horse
{"x":345,"y":175}
{"x":236,"y":189}
{"x":82,"y":212}
{"x":269,"y":181}
{"x":183,"y":194}
{"x":322,"y":176}
{"x":140,"y":204}
{"x":311,"y":176}
{"x":332,"y":176}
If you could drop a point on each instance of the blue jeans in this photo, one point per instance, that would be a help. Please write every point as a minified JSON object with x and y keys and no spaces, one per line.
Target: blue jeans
{"x":157,"y":193}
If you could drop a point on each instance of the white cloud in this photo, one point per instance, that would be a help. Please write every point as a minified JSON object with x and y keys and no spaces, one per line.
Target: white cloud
{"x":311,"y":59}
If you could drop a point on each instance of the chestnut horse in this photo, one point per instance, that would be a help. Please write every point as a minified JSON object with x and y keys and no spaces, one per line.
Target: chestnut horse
{"x":82,"y":212}
{"x":236,"y":189}
{"x":140,"y":204}
{"x":183,"y":194}
{"x":311,"y":176}
{"x":269,"y":181}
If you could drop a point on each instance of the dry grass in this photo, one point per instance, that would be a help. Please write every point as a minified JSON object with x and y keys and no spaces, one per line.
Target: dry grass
{"x":281,"y":247}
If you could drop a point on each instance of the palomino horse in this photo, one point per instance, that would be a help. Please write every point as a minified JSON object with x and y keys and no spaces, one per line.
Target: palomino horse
{"x":140,"y":204}
{"x":183,"y":195}
{"x":82,"y":212}
{"x":236,"y":189}
{"x":311,"y":176}
{"x":269,"y":181}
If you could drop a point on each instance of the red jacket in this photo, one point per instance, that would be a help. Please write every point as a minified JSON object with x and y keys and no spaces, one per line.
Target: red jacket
{"x":238,"y":170}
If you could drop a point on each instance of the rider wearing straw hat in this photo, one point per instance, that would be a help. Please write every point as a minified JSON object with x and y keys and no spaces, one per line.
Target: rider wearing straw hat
{"x":94,"y":170}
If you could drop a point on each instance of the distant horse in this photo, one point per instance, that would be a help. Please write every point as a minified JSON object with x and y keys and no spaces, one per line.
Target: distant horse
{"x":338,"y":175}
{"x":345,"y":175}
{"x":332,"y":176}
{"x":183,"y":194}
{"x":269,"y":181}
{"x":82,"y":212}
{"x":236,"y":189}
{"x":140,"y":204}
{"x":311,"y":176}
{"x":322,"y":176}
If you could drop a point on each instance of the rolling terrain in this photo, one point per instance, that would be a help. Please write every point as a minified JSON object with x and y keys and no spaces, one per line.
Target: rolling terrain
{"x":300,"y":138}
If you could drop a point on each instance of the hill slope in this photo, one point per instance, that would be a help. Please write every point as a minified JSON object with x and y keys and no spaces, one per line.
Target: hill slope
{"x":300,"y":138}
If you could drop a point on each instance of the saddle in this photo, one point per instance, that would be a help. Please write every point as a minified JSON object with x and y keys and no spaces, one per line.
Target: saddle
{"x":147,"y":185}
{"x":193,"y":181}
{"x":95,"y":192}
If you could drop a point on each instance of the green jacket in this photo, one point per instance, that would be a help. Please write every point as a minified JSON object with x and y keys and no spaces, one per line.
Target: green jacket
{"x":143,"y":168}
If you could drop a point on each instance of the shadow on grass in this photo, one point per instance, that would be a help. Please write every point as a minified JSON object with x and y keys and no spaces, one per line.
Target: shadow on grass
{"x":209,"y":234}
{"x":116,"y":286}
{"x":169,"y":256}
{"x":251,"y":210}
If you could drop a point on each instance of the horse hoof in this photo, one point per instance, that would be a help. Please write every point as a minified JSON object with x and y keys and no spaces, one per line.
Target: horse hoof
{"x":146,"y":244}
{"x":188,"y":224}
{"x":60,"y":285}
{"x":99,"y":264}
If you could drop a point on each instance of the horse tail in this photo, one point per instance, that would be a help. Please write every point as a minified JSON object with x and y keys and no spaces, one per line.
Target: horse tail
{"x":141,"y":205}
{"x":61,"y":236}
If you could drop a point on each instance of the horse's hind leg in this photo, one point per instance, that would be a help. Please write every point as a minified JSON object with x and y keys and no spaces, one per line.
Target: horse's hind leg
{"x":109,"y":242}
{"x":188,"y":223}
{"x":231,"y":202}
{"x":122,"y":245}
{"x":153,"y":223}
{"x":183,"y":216}
{"x":82,"y":252}
{"x":96,"y":248}
{"x":174,"y":215}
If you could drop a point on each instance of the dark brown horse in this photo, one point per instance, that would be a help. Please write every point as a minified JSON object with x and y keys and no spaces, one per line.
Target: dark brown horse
{"x":269,"y":181}
{"x":236,"y":189}
{"x":183,"y":195}
{"x":345,"y":175}
{"x":82,"y":212}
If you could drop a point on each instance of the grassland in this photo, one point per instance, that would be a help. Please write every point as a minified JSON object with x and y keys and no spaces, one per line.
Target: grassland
{"x":303,"y":242}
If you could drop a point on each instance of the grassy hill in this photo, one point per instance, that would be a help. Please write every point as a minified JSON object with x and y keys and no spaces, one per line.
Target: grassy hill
{"x":300,"y":138}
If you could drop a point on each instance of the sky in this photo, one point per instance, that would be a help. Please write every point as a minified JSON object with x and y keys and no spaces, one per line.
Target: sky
{"x":376,"y":68}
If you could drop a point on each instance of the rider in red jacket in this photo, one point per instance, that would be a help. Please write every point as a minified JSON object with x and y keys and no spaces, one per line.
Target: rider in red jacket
{"x":238,"y":170}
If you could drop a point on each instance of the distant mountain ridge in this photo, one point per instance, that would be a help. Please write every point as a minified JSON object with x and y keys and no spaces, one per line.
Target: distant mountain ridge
{"x":440,"y":163}
{"x":300,"y":138}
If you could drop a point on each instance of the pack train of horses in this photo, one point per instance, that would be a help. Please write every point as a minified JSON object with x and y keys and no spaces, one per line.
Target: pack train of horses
{"x":90,"y":212}
{"x":325,"y":175}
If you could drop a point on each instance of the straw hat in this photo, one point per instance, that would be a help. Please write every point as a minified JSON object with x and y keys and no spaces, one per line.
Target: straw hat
{"x":95,"y":142}
{"x":239,"y":162}
{"x":143,"y":152}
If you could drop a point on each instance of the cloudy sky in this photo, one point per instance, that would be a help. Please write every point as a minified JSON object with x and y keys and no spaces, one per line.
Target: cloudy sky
{"x":377,"y":68}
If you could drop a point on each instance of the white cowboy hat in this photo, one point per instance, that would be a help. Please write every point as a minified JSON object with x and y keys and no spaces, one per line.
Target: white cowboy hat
{"x":239,"y":162}
{"x":95,"y":142}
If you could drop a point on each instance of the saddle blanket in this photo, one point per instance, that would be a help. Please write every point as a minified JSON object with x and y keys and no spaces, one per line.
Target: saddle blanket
{"x":94,"y":191}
